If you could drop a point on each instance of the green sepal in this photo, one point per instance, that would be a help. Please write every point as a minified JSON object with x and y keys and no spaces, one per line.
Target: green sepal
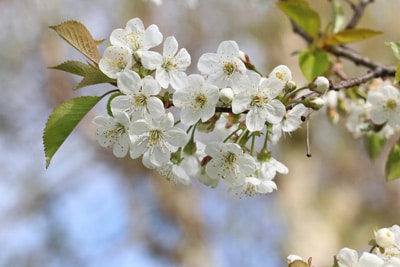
{"x":63,"y":120}
{"x":393,"y":163}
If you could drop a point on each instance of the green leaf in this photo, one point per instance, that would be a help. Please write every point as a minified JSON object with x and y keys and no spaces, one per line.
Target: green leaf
{"x":94,"y":77}
{"x":374,"y":144}
{"x":395,"y":46}
{"x":76,"y":34}
{"x":338,"y":17}
{"x":393,"y":163}
{"x":303,"y":15}
{"x":75,"y":67}
{"x":397,"y":75}
{"x":313,"y":63}
{"x":63,"y":120}
{"x":350,"y":36}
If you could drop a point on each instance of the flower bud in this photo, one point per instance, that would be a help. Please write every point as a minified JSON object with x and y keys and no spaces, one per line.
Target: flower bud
{"x":244,"y":57}
{"x":226,"y":95}
{"x":319,"y":85}
{"x":290,"y":86}
{"x":385,"y":238}
{"x":315,"y":103}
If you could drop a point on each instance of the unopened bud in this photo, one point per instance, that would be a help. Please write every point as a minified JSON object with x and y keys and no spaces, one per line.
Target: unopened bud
{"x":290,"y":86}
{"x":226,"y":95}
{"x":319,"y":85}
{"x":244,"y":57}
{"x":315,"y":103}
{"x":385,"y":238}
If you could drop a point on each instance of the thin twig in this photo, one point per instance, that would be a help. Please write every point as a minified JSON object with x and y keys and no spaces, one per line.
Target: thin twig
{"x":358,"y":12}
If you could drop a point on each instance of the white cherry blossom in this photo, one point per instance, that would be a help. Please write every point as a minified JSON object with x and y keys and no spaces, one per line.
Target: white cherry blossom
{"x":254,"y":185}
{"x":139,"y":99}
{"x":385,"y":106}
{"x":269,"y":168}
{"x":258,"y":98}
{"x":290,"y":122}
{"x":224,"y":68}
{"x":175,"y":173}
{"x":197,"y":100}
{"x":170,"y":66}
{"x":349,"y":258}
{"x":229,"y":162}
{"x":155,"y":139}
{"x":136,"y":37}
{"x":114,"y":131}
{"x":116,"y":59}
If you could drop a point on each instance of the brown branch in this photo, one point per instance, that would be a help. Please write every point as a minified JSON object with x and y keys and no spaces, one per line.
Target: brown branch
{"x":378,"y":72}
{"x":358,"y":12}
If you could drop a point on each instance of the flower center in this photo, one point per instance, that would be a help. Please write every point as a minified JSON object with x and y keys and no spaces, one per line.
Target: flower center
{"x":230,"y":158}
{"x":140,"y":100}
{"x":229,"y":68}
{"x":258,"y":101}
{"x":391,"y":104}
{"x":155,"y":137}
{"x":116,"y":132}
{"x":168,"y":65}
{"x":201,"y":101}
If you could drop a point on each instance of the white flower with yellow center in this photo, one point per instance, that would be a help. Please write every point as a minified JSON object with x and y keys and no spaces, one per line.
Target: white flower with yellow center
{"x":290,"y":122}
{"x":136,"y":37}
{"x":259,"y":100}
{"x":197,"y":100}
{"x":229,"y":162}
{"x":116,"y":59}
{"x":385,"y":106}
{"x":114,"y":131}
{"x":170,"y":66}
{"x":155,"y":139}
{"x":139,"y":99}
{"x":224,"y":68}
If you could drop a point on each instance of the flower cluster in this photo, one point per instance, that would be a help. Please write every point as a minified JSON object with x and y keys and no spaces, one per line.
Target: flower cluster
{"x":160,"y":108}
{"x":370,"y":109}
{"x":385,"y":252}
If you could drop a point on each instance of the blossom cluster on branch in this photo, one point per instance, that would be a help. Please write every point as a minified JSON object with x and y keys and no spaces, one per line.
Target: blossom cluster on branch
{"x":159,"y":109}
{"x":385,"y":252}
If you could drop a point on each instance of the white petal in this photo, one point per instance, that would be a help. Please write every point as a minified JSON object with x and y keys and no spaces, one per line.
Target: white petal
{"x":170,"y":47}
{"x":207,"y":63}
{"x":150,"y":86}
{"x":176,"y":137}
{"x":152,"y":37}
{"x":155,"y":107}
{"x":178,"y":80}
{"x":347,"y":257}
{"x":275,"y":111}
{"x":129,"y":82}
{"x":151,"y":60}
{"x":162,"y":77}
{"x":183,"y":59}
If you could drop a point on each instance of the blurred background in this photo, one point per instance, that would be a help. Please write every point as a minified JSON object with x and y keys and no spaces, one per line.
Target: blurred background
{"x":90,"y":209}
